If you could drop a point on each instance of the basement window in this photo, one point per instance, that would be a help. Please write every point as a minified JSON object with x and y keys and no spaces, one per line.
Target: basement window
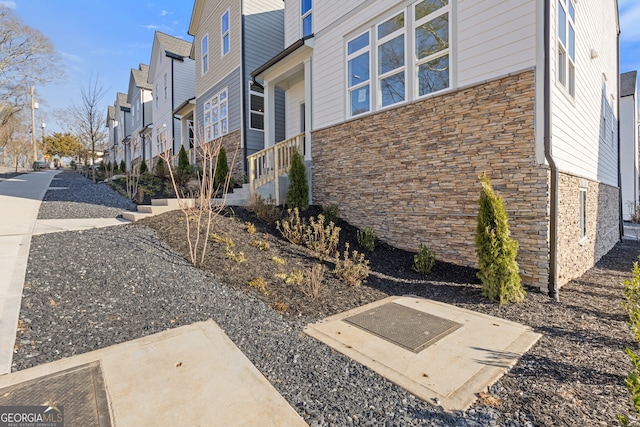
{"x":583,"y":213}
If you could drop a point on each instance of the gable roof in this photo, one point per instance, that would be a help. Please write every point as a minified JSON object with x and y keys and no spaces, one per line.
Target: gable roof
{"x":174,"y":45}
{"x":140,"y":77}
{"x":121,"y":99}
{"x":628,"y":83}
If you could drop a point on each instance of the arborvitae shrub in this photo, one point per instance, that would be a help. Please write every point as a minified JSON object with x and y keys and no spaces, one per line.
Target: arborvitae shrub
{"x":161,"y":169}
{"x":298,"y":193}
{"x":366,"y":239}
{"x":115,"y":167}
{"x":143,"y":167}
{"x":496,"y":249}
{"x":123,"y":166}
{"x":183,"y":161}
{"x":222,"y":169}
{"x":424,"y":260}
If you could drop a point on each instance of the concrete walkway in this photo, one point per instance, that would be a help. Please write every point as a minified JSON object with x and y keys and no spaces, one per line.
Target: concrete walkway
{"x":20,"y":199}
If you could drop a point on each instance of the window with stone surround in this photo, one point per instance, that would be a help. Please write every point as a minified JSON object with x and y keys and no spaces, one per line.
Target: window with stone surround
{"x":583,"y":212}
{"x":215,"y":116}
{"x":566,"y":29}
{"x":381,"y":73}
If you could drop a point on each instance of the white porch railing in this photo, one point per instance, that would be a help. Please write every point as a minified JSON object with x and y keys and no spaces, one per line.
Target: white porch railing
{"x":269,"y":164}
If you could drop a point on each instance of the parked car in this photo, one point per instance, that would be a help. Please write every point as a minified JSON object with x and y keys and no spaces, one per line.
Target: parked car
{"x":40,"y":165}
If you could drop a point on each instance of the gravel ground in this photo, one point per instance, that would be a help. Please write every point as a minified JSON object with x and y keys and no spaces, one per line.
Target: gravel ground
{"x":83,"y":199}
{"x":80,"y":296}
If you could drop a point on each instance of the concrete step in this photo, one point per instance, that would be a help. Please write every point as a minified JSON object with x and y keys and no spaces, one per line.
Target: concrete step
{"x":135,"y":216}
{"x":173,"y":203}
{"x":156,"y":210}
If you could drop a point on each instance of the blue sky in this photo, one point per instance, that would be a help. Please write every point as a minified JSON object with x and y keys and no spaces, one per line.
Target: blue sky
{"x":110,"y":37}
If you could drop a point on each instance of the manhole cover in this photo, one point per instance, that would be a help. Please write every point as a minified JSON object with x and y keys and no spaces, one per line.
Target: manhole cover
{"x":80,"y":391}
{"x":411,"y":329}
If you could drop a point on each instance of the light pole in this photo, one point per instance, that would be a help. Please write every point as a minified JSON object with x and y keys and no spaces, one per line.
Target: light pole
{"x":33,"y":127}
{"x":44,"y":145}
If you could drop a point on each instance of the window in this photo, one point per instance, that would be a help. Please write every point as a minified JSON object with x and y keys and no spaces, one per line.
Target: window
{"x":382,"y":82}
{"x":567,"y":45}
{"x":391,"y":61}
{"x":204,"y":47}
{"x":306,"y":13}
{"x":358,"y":78}
{"x":165,"y":86}
{"x":431,"y":27}
{"x":583,"y":212}
{"x":156,"y":93}
{"x":256,"y":102}
{"x":216,"y":116}
{"x":224,"y":33}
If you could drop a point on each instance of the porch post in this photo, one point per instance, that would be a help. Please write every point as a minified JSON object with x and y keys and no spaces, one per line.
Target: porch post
{"x":270,"y":114}
{"x":307,"y":109}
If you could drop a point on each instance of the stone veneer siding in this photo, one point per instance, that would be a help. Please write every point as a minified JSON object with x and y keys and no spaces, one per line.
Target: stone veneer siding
{"x":231,"y":142}
{"x":576,"y":255}
{"x":411,"y":172}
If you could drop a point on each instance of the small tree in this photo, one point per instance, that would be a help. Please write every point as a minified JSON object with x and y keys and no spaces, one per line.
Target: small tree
{"x":143,"y":167}
{"x":123,"y":166}
{"x":496,"y":250}
{"x":632,"y":304}
{"x":184,"y":167}
{"x":298,"y":193}
{"x":222,"y":169}
{"x":161,"y":171}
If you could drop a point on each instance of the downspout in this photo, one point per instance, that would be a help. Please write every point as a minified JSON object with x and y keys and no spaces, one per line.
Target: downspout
{"x":553,"y":215}
{"x":173,"y":120}
{"x":142,"y":132}
{"x":245,"y":103}
{"x":620,"y":219}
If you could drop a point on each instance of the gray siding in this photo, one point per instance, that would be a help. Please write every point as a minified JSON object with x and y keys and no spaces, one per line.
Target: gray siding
{"x":148,"y":113}
{"x":232,"y":82}
{"x":184,"y":81}
{"x":263,"y":39}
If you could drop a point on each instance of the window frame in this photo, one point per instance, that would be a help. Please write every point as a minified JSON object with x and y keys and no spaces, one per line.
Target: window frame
{"x":379,"y":42}
{"x":252,"y":91}
{"x":304,"y":15}
{"x":566,"y":65}
{"x":204,"y":54}
{"x":582,"y":212}
{"x":351,"y":56}
{"x":225,"y":35}
{"x":221,"y":124}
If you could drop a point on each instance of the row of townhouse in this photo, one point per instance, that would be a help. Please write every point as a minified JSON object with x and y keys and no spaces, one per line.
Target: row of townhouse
{"x":399,"y":105}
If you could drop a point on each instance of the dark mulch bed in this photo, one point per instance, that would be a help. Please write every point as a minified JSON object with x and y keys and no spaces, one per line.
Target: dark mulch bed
{"x":150,"y":187}
{"x":573,"y":376}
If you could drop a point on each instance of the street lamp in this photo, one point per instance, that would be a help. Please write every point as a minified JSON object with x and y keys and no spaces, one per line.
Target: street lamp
{"x":44,"y":145}
{"x":34,"y":106}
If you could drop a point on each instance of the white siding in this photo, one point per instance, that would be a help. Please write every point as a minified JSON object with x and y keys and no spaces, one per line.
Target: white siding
{"x":294,"y":97}
{"x":490,"y":38}
{"x":578,"y":147}
{"x":292,"y":30}
{"x":629,"y":150}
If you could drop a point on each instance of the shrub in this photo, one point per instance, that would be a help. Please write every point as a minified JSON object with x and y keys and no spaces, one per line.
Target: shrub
{"x":73,"y":164}
{"x":293,"y":278}
{"x":143,"y":168}
{"x":115,"y":167}
{"x":280,"y":307}
{"x":265,"y":210}
{"x":239,"y":257}
{"x":354,"y":269}
{"x":277,"y":260}
{"x":292,"y":227}
{"x":331,"y":213}
{"x":496,"y":250}
{"x":250,"y":227}
{"x":313,"y":281}
{"x":260,"y":284}
{"x":366,"y":239}
{"x":322,"y":240}
{"x":262,"y":245}
{"x":222,"y":169}
{"x":160,"y":169}
{"x":102,"y":167}
{"x":222,"y":239}
{"x":632,"y":304}
{"x":123,"y":166}
{"x":424,"y":260}
{"x":298,"y":192}
{"x":183,"y":171}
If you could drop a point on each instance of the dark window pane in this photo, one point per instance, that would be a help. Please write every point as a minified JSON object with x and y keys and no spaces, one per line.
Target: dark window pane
{"x":426,"y":7}
{"x":392,"y":89}
{"x":257,"y":103}
{"x":360,"y":100}
{"x":433,"y":75}
{"x":306,"y":6}
{"x":562,"y":24}
{"x":432,"y":36}
{"x":388,"y":27}
{"x":359,"y":69}
{"x":307,"y":25}
{"x":257,"y":121}
{"x":358,"y":43}
{"x":391,"y":55}
{"x":225,"y":22}
{"x":256,"y":88}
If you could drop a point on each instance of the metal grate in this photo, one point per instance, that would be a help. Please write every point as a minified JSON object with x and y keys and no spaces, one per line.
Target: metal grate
{"x":80,"y":391}
{"x":411,"y":329}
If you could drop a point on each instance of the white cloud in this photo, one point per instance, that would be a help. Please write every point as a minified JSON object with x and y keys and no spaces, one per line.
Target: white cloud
{"x":8,"y":3}
{"x":71,"y":57}
{"x":629,"y":18}
{"x":150,"y":27}
{"x":165,"y":13}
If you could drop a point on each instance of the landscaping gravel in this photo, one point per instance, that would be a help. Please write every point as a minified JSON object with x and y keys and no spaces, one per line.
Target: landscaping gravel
{"x":83,"y":199}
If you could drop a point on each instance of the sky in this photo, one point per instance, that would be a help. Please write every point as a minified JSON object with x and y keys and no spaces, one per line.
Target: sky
{"x":106,"y":38}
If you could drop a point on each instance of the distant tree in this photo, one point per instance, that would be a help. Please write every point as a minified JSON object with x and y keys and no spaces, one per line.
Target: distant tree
{"x":61,"y":144}
{"x":160,"y":168}
{"x":143,"y":167}
{"x":123,"y":167}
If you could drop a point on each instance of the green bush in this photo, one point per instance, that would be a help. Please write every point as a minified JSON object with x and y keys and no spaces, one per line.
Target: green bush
{"x":298,"y":192}
{"x":496,"y":249}
{"x":331,"y":213}
{"x":123,"y":166}
{"x":161,"y":169}
{"x":424,"y":260}
{"x":222,"y":169}
{"x":632,"y":304}
{"x":366,"y":239}
{"x":143,"y":167}
{"x":114,"y":167}
{"x":73,"y":164}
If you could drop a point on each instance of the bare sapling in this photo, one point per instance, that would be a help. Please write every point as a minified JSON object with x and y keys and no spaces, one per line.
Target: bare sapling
{"x":132,"y":183}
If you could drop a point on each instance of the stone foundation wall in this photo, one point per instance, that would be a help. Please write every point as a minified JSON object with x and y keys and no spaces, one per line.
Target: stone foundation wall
{"x":411,"y":172}
{"x":231,"y":143}
{"x":575,"y":254}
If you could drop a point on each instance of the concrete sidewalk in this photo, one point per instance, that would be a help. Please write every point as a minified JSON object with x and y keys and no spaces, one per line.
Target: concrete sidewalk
{"x":20,"y":199}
